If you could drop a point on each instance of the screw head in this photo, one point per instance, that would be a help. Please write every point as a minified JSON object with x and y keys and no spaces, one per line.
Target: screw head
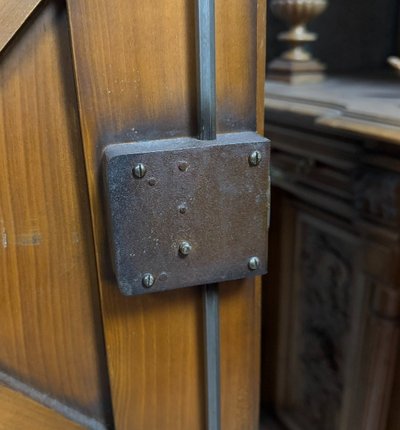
{"x":139,"y":170}
{"x":185,"y":247}
{"x":163,"y":277}
{"x":182,"y":208}
{"x":255,"y":158}
{"x":254,"y":263}
{"x":183,"y":166}
{"x":148,"y":280}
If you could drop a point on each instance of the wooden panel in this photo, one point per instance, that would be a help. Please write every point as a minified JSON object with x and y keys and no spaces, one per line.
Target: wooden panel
{"x":12,"y":15}
{"x":135,"y":69}
{"x":319,"y":297}
{"x":240,"y":313}
{"x":373,"y":392}
{"x":378,"y":365}
{"x":19,"y":412}
{"x":50,"y":326}
{"x":394,"y":410}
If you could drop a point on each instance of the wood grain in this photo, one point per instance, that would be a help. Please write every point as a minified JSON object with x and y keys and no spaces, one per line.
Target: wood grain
{"x":19,"y":412}
{"x":12,"y":15}
{"x":135,"y":72}
{"x":261,"y":61}
{"x":240,"y":313}
{"x":50,"y":326}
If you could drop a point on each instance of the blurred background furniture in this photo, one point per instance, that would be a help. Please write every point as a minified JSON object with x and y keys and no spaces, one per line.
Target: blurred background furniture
{"x":331,"y":300}
{"x":297,"y":65}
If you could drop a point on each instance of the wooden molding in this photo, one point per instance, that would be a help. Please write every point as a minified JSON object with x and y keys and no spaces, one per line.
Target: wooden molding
{"x":12,"y":16}
{"x":362,"y":107}
{"x":20,"y":412}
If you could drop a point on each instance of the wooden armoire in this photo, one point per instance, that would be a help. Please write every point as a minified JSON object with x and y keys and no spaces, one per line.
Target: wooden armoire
{"x":75,"y":76}
{"x":332,"y":297}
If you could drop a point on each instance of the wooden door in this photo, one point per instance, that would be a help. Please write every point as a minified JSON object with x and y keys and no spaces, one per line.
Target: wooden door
{"x":74,"y":352}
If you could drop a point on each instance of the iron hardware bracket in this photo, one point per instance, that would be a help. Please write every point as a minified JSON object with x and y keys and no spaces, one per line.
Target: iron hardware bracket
{"x":183,"y":212}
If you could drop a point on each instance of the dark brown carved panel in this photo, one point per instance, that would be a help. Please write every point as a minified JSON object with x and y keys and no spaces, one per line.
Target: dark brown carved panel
{"x":325,"y":266}
{"x":377,"y":195}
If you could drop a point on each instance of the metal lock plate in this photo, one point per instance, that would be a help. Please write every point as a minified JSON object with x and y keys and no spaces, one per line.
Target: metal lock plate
{"x":185,"y":212}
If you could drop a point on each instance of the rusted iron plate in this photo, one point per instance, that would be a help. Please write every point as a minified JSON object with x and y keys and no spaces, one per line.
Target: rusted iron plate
{"x":185,"y":212}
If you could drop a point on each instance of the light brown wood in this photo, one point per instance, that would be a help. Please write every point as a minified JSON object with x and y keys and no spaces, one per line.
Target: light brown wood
{"x":50,"y":325}
{"x":261,"y":59}
{"x":135,"y":70}
{"x":12,"y":15}
{"x":18,"y":412}
{"x":240,"y":313}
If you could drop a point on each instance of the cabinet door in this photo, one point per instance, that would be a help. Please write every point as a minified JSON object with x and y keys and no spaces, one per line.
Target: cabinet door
{"x":322,"y":300}
{"x":51,"y":337}
{"x":75,"y":76}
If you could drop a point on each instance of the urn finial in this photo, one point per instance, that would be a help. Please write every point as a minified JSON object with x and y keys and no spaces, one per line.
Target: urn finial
{"x":297,"y":65}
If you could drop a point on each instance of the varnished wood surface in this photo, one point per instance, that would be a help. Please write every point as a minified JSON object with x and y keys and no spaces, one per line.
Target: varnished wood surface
{"x":135,"y":70}
{"x":18,"y":412}
{"x":50,"y":327}
{"x":240,"y":313}
{"x":261,"y":59}
{"x":12,"y":15}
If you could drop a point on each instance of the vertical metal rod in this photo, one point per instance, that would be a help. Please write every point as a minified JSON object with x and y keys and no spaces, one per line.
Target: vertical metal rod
{"x":205,"y":14}
{"x":205,"y":45}
{"x":211,"y":355}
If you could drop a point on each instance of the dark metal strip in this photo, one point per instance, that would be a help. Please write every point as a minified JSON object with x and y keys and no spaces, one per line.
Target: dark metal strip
{"x":205,"y":21}
{"x":206,"y":69}
{"x":211,"y":355}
